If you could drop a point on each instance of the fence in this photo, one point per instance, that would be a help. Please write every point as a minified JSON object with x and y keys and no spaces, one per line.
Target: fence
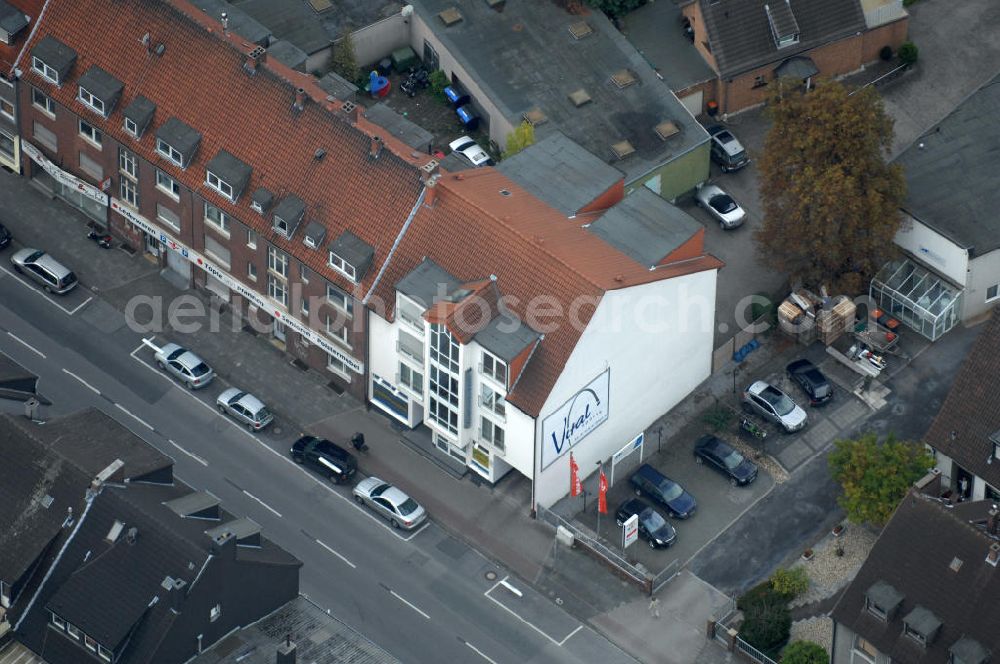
{"x":752,"y":652}
{"x":622,"y":567}
{"x":722,"y":624}
{"x":722,"y":355}
{"x":887,"y":77}
{"x":666,"y":576}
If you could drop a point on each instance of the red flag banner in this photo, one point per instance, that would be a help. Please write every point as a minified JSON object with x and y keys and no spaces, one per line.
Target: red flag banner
{"x":602,"y":494}
{"x":575,"y":486}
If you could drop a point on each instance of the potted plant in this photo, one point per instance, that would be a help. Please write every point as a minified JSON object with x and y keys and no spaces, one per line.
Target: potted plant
{"x":838,"y":530}
{"x":807,"y":554}
{"x":839,"y":551}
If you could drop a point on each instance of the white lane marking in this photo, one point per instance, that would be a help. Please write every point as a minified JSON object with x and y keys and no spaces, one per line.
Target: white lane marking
{"x":88,"y":385}
{"x":481,"y":653}
{"x":353,"y":566}
{"x":250,"y":495}
{"x":48,"y":299}
{"x":511,"y":588}
{"x":133,"y":416}
{"x":396,"y":595}
{"x":25,"y":343}
{"x":570,"y":636}
{"x":190,"y":454}
{"x":513,"y":613}
{"x":81,"y":306}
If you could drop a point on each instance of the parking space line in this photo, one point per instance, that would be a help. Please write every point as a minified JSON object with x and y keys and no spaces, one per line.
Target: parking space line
{"x":25,"y":343}
{"x":353,"y":566}
{"x":48,"y":299}
{"x":397,"y":596}
{"x":479,"y":652}
{"x":190,"y":454}
{"x":81,"y":306}
{"x":250,"y":495}
{"x":511,"y":588}
{"x":88,"y":386}
{"x":513,"y":613}
{"x":132,"y":415}
{"x":570,"y":636}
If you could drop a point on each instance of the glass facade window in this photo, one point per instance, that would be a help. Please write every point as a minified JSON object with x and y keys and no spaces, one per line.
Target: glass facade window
{"x":919,"y":298}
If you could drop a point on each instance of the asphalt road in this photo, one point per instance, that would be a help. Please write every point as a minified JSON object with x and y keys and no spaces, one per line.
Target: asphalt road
{"x":425,"y":597}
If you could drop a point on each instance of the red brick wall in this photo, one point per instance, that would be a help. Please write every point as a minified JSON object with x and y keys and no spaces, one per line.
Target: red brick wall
{"x":614,"y":194}
{"x":693,"y":14}
{"x":891,"y":34}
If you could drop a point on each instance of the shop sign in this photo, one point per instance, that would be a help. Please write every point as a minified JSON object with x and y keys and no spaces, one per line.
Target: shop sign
{"x":575,"y":419}
{"x":61,"y":176}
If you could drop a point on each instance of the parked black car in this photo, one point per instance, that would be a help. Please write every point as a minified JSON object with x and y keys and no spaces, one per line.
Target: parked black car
{"x":653,"y":528}
{"x":328,"y":458}
{"x":4,"y":236}
{"x":651,"y":482}
{"x":811,"y":380}
{"x":725,"y":459}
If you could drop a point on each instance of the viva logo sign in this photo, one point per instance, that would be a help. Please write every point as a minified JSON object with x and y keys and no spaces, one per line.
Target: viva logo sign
{"x":583,"y":413}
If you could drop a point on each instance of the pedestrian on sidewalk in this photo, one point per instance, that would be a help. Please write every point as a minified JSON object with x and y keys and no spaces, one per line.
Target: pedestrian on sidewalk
{"x":654,"y":607}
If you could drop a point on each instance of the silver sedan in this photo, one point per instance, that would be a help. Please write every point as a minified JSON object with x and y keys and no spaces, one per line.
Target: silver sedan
{"x":401,"y":510}
{"x":720,"y":205}
{"x":184,"y":365}
{"x":245,"y":408}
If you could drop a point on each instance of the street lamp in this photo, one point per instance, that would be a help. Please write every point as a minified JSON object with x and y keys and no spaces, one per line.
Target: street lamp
{"x":659,"y":436}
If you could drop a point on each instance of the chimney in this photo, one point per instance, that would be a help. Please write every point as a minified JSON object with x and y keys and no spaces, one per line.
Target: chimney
{"x":286,"y":652}
{"x":254,"y":59}
{"x":430,"y":185}
{"x":994,"y":555}
{"x":176,"y":593}
{"x":131,"y":535}
{"x":376,"y":148}
{"x":993,"y":521}
{"x":225,"y":23}
{"x":224,"y":546}
{"x":300,"y":98}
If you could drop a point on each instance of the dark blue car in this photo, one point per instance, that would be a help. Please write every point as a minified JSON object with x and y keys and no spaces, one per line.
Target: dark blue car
{"x":651,"y":482}
{"x":723,"y":458}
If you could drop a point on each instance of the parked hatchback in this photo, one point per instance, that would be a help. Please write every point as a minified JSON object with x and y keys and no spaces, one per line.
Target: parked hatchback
{"x":245,"y":408}
{"x":726,"y":149}
{"x":775,"y":405}
{"x":47,"y":271}
{"x":653,"y":528}
{"x":654,"y":484}
{"x":327,"y":457}
{"x":471,"y":150}
{"x":723,"y":458}
{"x":401,"y":510}
{"x":812,"y":381}
{"x":184,"y":365}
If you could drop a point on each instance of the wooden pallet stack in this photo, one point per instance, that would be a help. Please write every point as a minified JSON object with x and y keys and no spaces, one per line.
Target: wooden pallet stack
{"x":833,"y":321}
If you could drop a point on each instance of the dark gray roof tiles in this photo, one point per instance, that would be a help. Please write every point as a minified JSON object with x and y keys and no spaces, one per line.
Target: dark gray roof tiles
{"x":741,"y":38}
{"x":427,"y":282}
{"x":355,"y":251}
{"x":506,"y":337}
{"x":102,"y":85}
{"x":55,"y":54}
{"x":231,"y":170}
{"x":338,"y":87}
{"x":239,"y":21}
{"x":181,"y":137}
{"x":140,"y":111}
{"x":294,"y":22}
{"x":12,"y":19}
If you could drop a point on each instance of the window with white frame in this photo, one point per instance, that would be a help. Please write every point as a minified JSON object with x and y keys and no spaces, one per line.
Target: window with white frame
{"x":337,"y":366}
{"x":44,"y":135}
{"x":252,"y":271}
{"x":277,"y":288}
{"x":491,"y":400}
{"x":103,"y":653}
{"x":411,"y":379}
{"x":168,"y":216}
{"x":220,"y":185}
{"x":43,"y":101}
{"x":339,"y":299}
{"x":90,"y":100}
{"x":251,"y":238}
{"x":6,"y":109}
{"x":91,"y":133}
{"x":127,"y":163}
{"x":58,"y":622}
{"x":131,"y":127}
{"x":444,"y":348}
{"x":129,"y":191}
{"x":914,"y":634}
{"x":863,"y":650}
{"x":168,"y":185}
{"x":304,"y":305}
{"x":993,"y":292}
{"x":281,"y":225}
{"x":90,"y":643}
{"x":875,"y":609}
{"x":168,"y":151}
{"x":277,"y":262}
{"x":7,"y":145}
{"x":73,"y":630}
{"x":338,"y":331}
{"x":214,"y":613}
{"x":303,"y":273}
{"x":342,"y":266}
{"x":491,"y":432}
{"x":217,"y":218}
{"x":495,"y":368}
{"x":45,"y":70}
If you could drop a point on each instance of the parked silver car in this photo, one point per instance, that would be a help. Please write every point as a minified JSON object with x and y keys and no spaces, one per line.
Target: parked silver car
{"x":245,"y":408}
{"x":723,"y":208}
{"x":47,"y":271}
{"x":401,"y":510}
{"x":775,"y":405}
{"x":184,"y":365}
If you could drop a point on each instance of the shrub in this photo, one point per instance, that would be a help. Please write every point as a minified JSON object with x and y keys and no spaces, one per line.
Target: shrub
{"x":766,"y":627}
{"x":908,"y":53}
{"x":616,"y":8}
{"x":439,"y":81}
{"x":718,"y":417}
{"x":790,"y":582}
{"x":886,"y":53}
{"x":804,"y":652}
{"x":345,"y":62}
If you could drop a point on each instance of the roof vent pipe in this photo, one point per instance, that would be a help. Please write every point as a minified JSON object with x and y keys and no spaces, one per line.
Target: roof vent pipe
{"x":375,"y":150}
{"x":225,"y":22}
{"x":300,"y":98}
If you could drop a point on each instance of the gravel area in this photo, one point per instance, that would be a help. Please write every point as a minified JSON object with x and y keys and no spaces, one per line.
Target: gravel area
{"x":817,"y":630}
{"x":829,"y":572}
{"x":772,"y":467}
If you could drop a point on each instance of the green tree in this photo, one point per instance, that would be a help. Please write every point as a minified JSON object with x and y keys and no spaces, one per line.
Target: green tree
{"x":875,"y":476}
{"x":804,"y":652}
{"x":345,"y":62}
{"x":831,"y":202}
{"x":522,"y":136}
{"x":790,"y":582}
{"x":908,"y":53}
{"x":616,"y":8}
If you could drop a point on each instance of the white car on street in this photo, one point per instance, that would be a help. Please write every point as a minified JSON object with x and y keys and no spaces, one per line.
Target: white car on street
{"x":469,"y":149}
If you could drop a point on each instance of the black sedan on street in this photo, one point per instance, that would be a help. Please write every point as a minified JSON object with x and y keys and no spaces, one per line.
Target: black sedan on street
{"x":723,"y":458}
{"x":653,"y":528}
{"x":811,"y":380}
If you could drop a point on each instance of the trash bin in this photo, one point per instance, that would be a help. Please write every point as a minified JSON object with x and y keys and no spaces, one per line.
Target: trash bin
{"x":31,"y":408}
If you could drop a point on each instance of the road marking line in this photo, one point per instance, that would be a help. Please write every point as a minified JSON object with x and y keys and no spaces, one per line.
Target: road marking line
{"x":396,"y":595}
{"x":31,"y":287}
{"x":133,"y":416}
{"x":513,"y":613}
{"x":353,"y":566}
{"x":511,"y":588}
{"x":480,"y":653}
{"x":89,"y":386}
{"x":25,"y":343}
{"x":190,"y":454}
{"x":79,"y":307}
{"x":138,"y":348}
{"x":250,"y":495}
{"x":578,"y":628}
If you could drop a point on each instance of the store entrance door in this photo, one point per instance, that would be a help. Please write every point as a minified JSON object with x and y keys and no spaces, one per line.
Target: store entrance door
{"x":152,"y":245}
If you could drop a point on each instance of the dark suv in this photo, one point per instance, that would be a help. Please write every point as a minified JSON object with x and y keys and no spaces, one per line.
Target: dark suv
{"x":651,"y":482}
{"x":328,"y":458}
{"x":726,"y":150}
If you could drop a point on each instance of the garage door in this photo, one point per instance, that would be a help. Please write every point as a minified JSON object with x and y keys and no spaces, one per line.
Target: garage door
{"x":179,"y":264}
{"x":693,"y":102}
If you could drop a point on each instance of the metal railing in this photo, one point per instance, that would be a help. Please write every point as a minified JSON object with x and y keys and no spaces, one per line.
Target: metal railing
{"x":883,"y":79}
{"x":667,"y":575}
{"x":752,"y":652}
{"x":722,"y":624}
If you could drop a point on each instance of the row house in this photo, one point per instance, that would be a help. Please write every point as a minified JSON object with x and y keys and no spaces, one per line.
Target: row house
{"x":16,"y":17}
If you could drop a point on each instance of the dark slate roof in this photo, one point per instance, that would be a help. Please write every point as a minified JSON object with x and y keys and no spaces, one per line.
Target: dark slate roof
{"x":947,"y":187}
{"x":239,"y":21}
{"x":409,"y":132}
{"x":102,"y":85}
{"x":355,"y":251}
{"x":645,"y":227}
{"x":263,"y":197}
{"x":740,"y":34}
{"x":36,"y":490}
{"x":971,"y":411}
{"x":231,"y":170}
{"x":914,"y":554}
{"x":55,"y":54}
{"x":288,"y":54}
{"x":454,"y":163}
{"x":655,"y":30}
{"x":12,"y":19}
{"x":561,"y":173}
{"x":338,"y":87}
{"x":290,"y":209}
{"x":346,"y":15}
{"x":319,"y":638}
{"x":140,"y":111}
{"x":91,"y":439}
{"x":293,"y":22}
{"x":180,"y":136}
{"x":241,"y":529}
{"x":426,"y":282}
{"x":506,"y":337}
{"x":315,"y":231}
{"x":537,"y":64}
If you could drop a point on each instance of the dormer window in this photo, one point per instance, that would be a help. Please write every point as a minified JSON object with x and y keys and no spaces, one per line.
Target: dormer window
{"x":138,"y":115}
{"x":90,"y":100}
{"x":350,"y":255}
{"x":967,"y":651}
{"x":177,"y":142}
{"x":45,"y":70}
{"x":921,"y":625}
{"x":131,"y":127}
{"x":169,"y":152}
{"x":882,"y":600}
{"x":99,"y":91}
{"x":220,"y":185}
{"x":227,"y":175}
{"x":52,"y":60}
{"x":875,"y":609}
{"x":342,"y":266}
{"x":288,"y":214}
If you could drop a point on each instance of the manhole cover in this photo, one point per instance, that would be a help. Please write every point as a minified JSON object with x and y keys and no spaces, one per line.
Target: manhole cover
{"x":276,"y":431}
{"x":491,"y":576}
